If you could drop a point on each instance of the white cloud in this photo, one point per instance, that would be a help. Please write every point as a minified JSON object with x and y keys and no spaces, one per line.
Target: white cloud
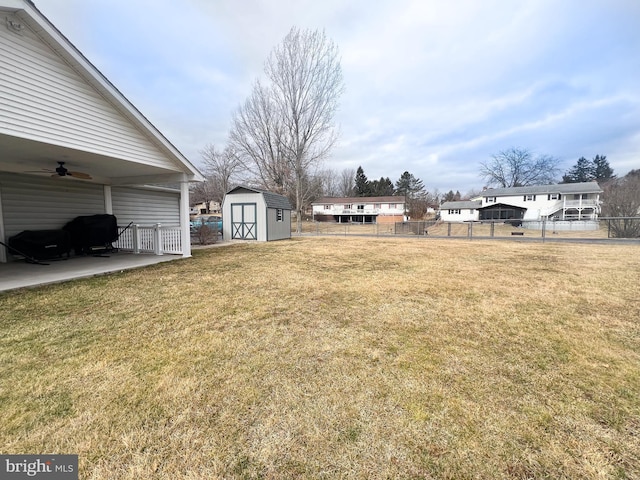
{"x":432,"y":87}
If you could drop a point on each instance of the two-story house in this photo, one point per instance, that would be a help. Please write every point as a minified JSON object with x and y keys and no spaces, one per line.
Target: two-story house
{"x":359,"y":209}
{"x":560,"y":202}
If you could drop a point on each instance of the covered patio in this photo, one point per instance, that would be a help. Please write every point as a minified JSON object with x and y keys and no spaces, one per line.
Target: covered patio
{"x":20,"y":274}
{"x":71,"y":145}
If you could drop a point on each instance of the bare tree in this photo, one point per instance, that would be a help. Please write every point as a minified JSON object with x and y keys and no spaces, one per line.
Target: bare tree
{"x":518,"y":167}
{"x":255,"y":137}
{"x":203,"y":192}
{"x":621,"y":198}
{"x":347,"y":182}
{"x":284,"y":131}
{"x":330,"y":182}
{"x":221,"y":169}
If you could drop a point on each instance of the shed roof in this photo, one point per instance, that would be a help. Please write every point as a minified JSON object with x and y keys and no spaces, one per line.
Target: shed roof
{"x":273,"y":200}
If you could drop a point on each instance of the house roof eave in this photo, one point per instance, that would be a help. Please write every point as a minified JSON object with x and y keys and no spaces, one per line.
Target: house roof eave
{"x":27,"y":12}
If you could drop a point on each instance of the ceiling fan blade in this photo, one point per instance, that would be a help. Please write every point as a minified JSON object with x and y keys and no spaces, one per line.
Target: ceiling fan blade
{"x":84,"y":176}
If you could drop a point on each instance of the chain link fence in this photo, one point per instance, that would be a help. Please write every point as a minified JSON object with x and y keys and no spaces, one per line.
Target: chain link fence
{"x":601,"y":229}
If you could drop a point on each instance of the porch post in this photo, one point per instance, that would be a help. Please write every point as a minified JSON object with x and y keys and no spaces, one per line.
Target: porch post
{"x":157,"y":239}
{"x":108,"y":200}
{"x":135,"y":238}
{"x":3,"y":251}
{"x":184,"y":218}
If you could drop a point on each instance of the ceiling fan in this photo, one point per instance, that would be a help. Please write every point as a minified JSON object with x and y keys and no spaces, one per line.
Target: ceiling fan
{"x":62,"y":171}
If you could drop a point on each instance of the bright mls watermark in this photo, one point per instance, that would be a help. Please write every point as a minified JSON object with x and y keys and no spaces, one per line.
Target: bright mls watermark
{"x":49,"y":467}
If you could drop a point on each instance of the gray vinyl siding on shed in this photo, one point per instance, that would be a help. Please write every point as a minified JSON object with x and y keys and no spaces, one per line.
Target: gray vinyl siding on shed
{"x":145,"y":206}
{"x":44,"y":99}
{"x":278,"y":230}
{"x":45,"y":203}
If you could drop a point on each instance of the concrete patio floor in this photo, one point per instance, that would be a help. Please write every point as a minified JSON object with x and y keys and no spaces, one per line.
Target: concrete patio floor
{"x":20,"y":274}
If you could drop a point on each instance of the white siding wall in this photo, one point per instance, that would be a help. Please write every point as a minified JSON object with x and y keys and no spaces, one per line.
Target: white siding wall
{"x":369,"y":208}
{"x":465,"y":215}
{"x":145,"y":207}
{"x":45,"y":203}
{"x":43,"y":99}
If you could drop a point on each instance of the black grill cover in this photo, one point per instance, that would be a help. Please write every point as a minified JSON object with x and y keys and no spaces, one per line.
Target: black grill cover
{"x":92,"y":231}
{"x":41,"y":244}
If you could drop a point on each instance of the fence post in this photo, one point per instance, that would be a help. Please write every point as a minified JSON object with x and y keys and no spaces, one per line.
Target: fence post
{"x":449,"y":229}
{"x":157,"y":240}
{"x":544,"y":229}
{"x":493,"y":227}
{"x":470,"y":230}
{"x":135,"y":238}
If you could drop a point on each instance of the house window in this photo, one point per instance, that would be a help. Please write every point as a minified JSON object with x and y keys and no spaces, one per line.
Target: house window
{"x":455,"y":211}
{"x":348,"y":206}
{"x":554,"y":196}
{"x":529,"y":198}
{"x":489,"y":199}
{"x":327,"y":207}
{"x":392,"y":205}
{"x":360,"y":207}
{"x":279,"y":215}
{"x":376,"y":205}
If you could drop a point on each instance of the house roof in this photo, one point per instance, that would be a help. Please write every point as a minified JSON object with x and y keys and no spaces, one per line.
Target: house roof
{"x":29,"y":14}
{"x":500,"y":204}
{"x":564,"y":188}
{"x":460,"y":205}
{"x":273,"y":200}
{"x":334,"y":200}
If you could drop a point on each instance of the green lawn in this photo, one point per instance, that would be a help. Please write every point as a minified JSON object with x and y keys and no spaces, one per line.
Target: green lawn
{"x":335,"y":358}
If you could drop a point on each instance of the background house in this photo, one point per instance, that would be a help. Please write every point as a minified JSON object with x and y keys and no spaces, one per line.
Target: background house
{"x":201,"y":208}
{"x":252,"y":214}
{"x":460,"y":211}
{"x":71,"y":144}
{"x":560,"y":202}
{"x":388,"y":209}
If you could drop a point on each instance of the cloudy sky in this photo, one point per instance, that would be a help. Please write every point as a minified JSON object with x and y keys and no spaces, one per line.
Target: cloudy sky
{"x":432,"y":86}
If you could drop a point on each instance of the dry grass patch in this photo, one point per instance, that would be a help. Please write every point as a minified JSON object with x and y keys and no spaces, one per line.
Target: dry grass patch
{"x":335,"y":358}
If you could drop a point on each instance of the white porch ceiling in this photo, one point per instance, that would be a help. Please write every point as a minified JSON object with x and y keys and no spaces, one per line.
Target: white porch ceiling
{"x":19,"y":155}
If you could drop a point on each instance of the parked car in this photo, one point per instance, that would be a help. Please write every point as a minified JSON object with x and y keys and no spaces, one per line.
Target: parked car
{"x":214,"y":223}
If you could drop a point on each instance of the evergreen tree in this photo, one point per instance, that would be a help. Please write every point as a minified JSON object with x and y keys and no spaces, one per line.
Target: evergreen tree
{"x":582,"y":171}
{"x":412,"y":189}
{"x":602,"y":171}
{"x":587,"y":170}
{"x":363,"y":186}
{"x":408,"y":185}
{"x":382,"y":187}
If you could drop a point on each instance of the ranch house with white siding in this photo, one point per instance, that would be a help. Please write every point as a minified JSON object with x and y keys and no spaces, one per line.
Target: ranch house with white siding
{"x":565,"y":202}
{"x":389,"y":209}
{"x":57,"y":110}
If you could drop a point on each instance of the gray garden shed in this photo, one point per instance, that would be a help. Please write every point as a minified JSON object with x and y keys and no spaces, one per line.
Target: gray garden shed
{"x":252,"y":214}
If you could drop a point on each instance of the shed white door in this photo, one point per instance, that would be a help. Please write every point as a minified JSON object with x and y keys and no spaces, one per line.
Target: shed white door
{"x":243,"y":221}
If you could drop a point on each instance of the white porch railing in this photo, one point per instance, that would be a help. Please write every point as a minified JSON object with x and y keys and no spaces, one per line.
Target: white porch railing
{"x":585,"y":203}
{"x":155,"y":239}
